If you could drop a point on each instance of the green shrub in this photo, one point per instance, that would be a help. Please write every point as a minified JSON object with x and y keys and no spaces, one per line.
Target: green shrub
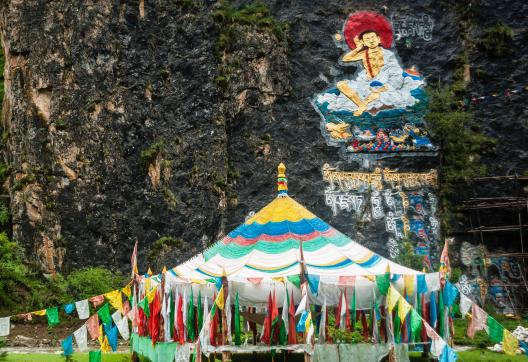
{"x":92,"y":281}
{"x":149,"y":154}
{"x":496,"y":40}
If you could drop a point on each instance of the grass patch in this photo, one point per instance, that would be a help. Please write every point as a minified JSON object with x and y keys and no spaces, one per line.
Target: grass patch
{"x":76,"y":357}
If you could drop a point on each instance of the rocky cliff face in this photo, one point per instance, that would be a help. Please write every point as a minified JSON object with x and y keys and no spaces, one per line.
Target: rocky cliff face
{"x":164,"y":121}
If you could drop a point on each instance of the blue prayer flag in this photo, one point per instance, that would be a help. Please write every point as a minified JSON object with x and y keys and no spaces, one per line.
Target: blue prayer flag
{"x":69,"y":308}
{"x":421,"y":284}
{"x":313,"y":282}
{"x":67,"y":346}
{"x":112,"y":338}
{"x":448,"y":355}
{"x":301,"y":325}
{"x":450,"y":294}
{"x":432,"y":309}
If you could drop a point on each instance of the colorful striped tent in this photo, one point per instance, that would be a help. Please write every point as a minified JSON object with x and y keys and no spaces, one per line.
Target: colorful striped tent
{"x":284,"y":239}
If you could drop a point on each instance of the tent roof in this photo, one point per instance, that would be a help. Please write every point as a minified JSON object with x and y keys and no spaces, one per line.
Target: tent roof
{"x":269,"y":245}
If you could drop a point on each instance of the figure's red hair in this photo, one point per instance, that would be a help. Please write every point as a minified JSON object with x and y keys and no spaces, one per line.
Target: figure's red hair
{"x":361,"y":21}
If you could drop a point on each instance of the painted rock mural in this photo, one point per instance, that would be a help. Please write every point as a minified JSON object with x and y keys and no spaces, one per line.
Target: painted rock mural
{"x":381,"y":107}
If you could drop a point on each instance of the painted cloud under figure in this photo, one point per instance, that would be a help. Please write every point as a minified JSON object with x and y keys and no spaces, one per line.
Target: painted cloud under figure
{"x":381,"y":108}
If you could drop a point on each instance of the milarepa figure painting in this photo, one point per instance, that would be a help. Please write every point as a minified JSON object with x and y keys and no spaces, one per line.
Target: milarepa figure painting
{"x":381,"y":107}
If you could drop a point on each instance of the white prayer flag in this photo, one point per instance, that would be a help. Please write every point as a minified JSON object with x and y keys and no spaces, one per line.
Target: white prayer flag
{"x":81,"y":338}
{"x":285,"y":310}
{"x":5,"y":326}
{"x":302,"y":305}
{"x":433,"y":281}
{"x":465,"y":305}
{"x":122,"y":327}
{"x":83,"y":309}
{"x":116,"y":317}
{"x":227,"y":309}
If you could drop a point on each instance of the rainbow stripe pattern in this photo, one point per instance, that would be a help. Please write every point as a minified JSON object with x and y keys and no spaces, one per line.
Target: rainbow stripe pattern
{"x":269,"y":245}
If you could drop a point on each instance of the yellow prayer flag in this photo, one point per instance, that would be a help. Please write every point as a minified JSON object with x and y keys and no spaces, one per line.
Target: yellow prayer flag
{"x":151,"y":295}
{"x":403,"y":308}
{"x":100,"y":337}
{"x":127,"y":290}
{"x":40,"y":313}
{"x":220,"y":299}
{"x":279,"y":279}
{"x":409,"y":282}
{"x":105,"y":346}
{"x":510,"y":343}
{"x":164,"y":270}
{"x":115,"y":299}
{"x":149,"y":272}
{"x":392,"y":298}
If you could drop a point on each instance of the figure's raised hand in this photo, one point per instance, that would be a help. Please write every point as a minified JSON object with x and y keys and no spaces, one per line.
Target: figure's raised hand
{"x":358,"y":42}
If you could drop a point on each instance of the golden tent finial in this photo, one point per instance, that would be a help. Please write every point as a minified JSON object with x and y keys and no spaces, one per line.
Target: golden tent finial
{"x":282,"y":182}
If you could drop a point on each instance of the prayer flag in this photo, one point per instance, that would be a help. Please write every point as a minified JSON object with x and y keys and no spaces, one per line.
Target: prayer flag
{"x":67,"y":346}
{"x":416,"y":324}
{"x":112,"y":338}
{"x":510,"y":343}
{"x":465,"y":305}
{"x":220,"y":299}
{"x":495,"y":330}
{"x":448,"y":355}
{"x":295,"y":280}
{"x":127,"y":290}
{"x":179,"y":317}
{"x":95,"y":356}
{"x":122,"y":327}
{"x":408,"y":282}
{"x":104,"y":314}
{"x":449,"y":294}
{"x":69,"y":308}
{"x":392,"y":298}
{"x":266,"y":333}
{"x":97,"y":300}
{"x":83,"y":309}
{"x":478,"y":321}
{"x":228,"y":318}
{"x":116,"y":316}
{"x":433,"y":281}
{"x":116,"y":300}
{"x":144,"y":305}
{"x":92,"y":324}
{"x":190,"y":318}
{"x":199,"y":312}
{"x":5,"y":326}
{"x":154,"y":321}
{"x":133,"y":260}
{"x":353,"y":310}
{"x":383,"y":283}
{"x":403,"y":308}
{"x":313,"y":283}
{"x":432,"y":309}
{"x":53,"y":316}
{"x":81,"y":338}
{"x":445,"y":267}
{"x":292,"y":336}
{"x":421,"y":284}
{"x":237,"y":322}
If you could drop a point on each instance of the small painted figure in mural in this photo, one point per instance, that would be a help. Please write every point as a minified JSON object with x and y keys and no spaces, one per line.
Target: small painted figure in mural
{"x":381,"y":107}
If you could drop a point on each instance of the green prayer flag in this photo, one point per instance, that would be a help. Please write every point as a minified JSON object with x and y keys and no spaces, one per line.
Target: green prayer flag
{"x":237,"y":322}
{"x":95,"y":356}
{"x":383,"y":282}
{"x":145,"y":306}
{"x":53,"y":316}
{"x":199,"y":309}
{"x":171,"y":313}
{"x":353,"y":308}
{"x":295,"y":280}
{"x":104,"y":314}
{"x":496,"y":331}
{"x":397,"y":327}
{"x":416,"y":324}
{"x":190,"y":318}
{"x":419,"y":311}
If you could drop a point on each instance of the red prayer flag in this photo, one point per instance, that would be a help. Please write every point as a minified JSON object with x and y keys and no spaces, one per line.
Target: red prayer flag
{"x":154,"y":321}
{"x":292,"y":332}
{"x":348,"y":325}
{"x":181,"y":328}
{"x":266,"y":335}
{"x":365,"y":326}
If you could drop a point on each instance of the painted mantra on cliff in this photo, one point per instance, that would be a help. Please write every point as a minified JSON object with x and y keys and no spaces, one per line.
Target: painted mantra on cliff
{"x":412,"y":26}
{"x":347,"y":181}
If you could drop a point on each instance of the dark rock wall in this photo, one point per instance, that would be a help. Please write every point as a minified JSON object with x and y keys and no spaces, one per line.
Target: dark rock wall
{"x":119,"y":128}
